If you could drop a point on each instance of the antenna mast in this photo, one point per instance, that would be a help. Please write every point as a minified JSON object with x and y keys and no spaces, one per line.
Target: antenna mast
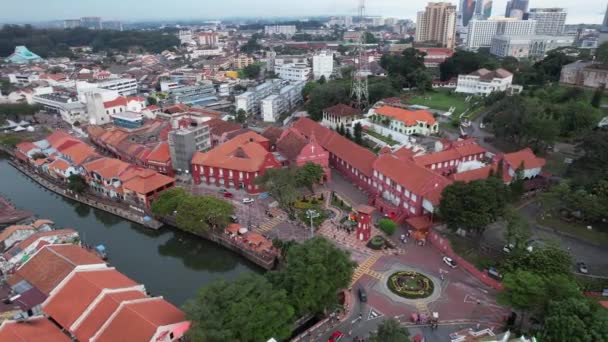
{"x":360,"y":91}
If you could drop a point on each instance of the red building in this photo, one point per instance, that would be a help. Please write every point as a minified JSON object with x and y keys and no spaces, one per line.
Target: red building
{"x":364,"y":222}
{"x":454,"y":154}
{"x":297,"y":150}
{"x":236,"y":163}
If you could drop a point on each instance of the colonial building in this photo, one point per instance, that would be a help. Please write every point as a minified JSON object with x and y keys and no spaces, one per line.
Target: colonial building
{"x":455,"y":155}
{"x":338,"y":115}
{"x":407,"y":121}
{"x":236,"y":163}
{"x":585,"y":74}
{"x":298,"y":150}
{"x":484,"y":82}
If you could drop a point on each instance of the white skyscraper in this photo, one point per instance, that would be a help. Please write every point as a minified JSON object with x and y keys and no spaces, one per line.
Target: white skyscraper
{"x":549,"y":21}
{"x":481,"y":32}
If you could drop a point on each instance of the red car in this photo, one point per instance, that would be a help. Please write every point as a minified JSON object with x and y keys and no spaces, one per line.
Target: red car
{"x":336,"y":336}
{"x":228,"y":194}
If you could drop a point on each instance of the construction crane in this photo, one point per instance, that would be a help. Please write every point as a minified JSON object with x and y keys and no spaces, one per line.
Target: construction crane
{"x":359,"y":89}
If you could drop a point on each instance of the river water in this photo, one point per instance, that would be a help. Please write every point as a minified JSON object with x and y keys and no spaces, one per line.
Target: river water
{"x":168,"y":262}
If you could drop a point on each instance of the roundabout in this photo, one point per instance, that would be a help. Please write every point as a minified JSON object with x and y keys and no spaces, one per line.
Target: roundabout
{"x":410,"y":284}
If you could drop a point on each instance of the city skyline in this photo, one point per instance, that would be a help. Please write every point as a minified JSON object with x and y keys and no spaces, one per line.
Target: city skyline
{"x":587,"y":11}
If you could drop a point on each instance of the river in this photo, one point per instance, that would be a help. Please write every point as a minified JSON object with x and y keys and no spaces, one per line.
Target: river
{"x":168,"y":262}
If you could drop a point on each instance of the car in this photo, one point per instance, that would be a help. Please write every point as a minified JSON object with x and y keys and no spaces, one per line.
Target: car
{"x":582,"y":267}
{"x":449,"y":261}
{"x":508,"y":248}
{"x":362,"y":295}
{"x":248,"y":200}
{"x":222,"y":190}
{"x":228,"y":194}
{"x":234,"y":219}
{"x":336,"y":336}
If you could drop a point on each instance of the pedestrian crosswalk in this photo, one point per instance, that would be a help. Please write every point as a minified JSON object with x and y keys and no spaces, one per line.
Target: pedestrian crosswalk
{"x":422,"y":308}
{"x":270,"y":224}
{"x":365,"y":268}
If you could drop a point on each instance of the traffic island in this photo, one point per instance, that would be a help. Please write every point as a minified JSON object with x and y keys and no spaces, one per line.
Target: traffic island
{"x":410,"y":284}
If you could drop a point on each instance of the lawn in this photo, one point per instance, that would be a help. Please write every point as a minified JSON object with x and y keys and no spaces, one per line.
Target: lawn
{"x":379,"y":136}
{"x":441,"y":100}
{"x":594,"y":236}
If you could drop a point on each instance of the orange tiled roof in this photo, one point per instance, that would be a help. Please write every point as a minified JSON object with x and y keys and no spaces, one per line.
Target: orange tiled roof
{"x":409,"y":117}
{"x":233,"y":228}
{"x":35,"y":329}
{"x":59,"y":164}
{"x":139,"y":320}
{"x":342,"y":110}
{"x":243,"y":153}
{"x":38,"y":223}
{"x":57,"y":138}
{"x":25,"y":147}
{"x":359,"y":157}
{"x":456,"y":150}
{"x":107,"y":168}
{"x":472,"y":175}
{"x":8,"y":231}
{"x":117,"y":102}
{"x":525,"y":156}
{"x":160,"y":153}
{"x":101,"y":312}
{"x":413,"y":177}
{"x":144,"y":181}
{"x":35,"y":237}
{"x":70,"y":301}
{"x":51,"y":265}
{"x":77,"y":151}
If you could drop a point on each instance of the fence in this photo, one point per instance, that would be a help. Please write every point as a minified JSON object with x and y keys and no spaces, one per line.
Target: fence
{"x":444,"y":246}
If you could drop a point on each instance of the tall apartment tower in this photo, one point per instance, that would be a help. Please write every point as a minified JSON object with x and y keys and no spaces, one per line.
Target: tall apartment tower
{"x":516,"y":6}
{"x":466,"y":11}
{"x":483,"y":9}
{"x":549,"y":21}
{"x":437,"y":23}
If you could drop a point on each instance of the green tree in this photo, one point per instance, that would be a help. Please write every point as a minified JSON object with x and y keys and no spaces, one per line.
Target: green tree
{"x":322,"y":96}
{"x":308,"y":88}
{"x":314,"y":273}
{"x":247,"y":309}
{"x":518,"y":230}
{"x":523,"y":292}
{"x":281,"y":185}
{"x":152,"y":101}
{"x":388,"y":226}
{"x":168,"y":201}
{"x":252,"y":71}
{"x":358,"y":133}
{"x":369,"y":38}
{"x":543,"y":260}
{"x":601,"y":54}
{"x":473,"y":205}
{"x":241,"y":116}
{"x":596,"y":100}
{"x":575,"y":319}
{"x":593,"y":165}
{"x":77,"y":183}
{"x":308,"y":175}
{"x":390,"y":331}
{"x":199,"y":214}
{"x":322,"y":80}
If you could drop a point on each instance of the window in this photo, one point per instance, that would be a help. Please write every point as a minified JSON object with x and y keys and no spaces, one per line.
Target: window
{"x":407,"y":193}
{"x":413,"y":210}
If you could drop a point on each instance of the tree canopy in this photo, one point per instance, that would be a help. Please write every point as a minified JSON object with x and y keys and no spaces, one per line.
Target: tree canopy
{"x":407,"y":70}
{"x":390,"y":331}
{"x":252,"y":71}
{"x":574,"y":319}
{"x":168,"y":201}
{"x":281,"y":185}
{"x":473,"y":205}
{"x":308,"y":175}
{"x":77,"y":183}
{"x":247,"y":309}
{"x":315,"y":271}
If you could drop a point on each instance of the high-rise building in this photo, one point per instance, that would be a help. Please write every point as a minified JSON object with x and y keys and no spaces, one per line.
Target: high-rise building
{"x":517,"y":5}
{"x":466,"y":11}
{"x":481,"y":32}
{"x":437,"y":23}
{"x":185,"y":142}
{"x":549,"y":21}
{"x":91,"y":22}
{"x":71,"y":23}
{"x":322,"y":65}
{"x":112,"y":25}
{"x":288,"y":30}
{"x":483,"y":9}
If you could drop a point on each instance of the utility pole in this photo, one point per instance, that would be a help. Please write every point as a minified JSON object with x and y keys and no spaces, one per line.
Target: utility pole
{"x":312,"y":214}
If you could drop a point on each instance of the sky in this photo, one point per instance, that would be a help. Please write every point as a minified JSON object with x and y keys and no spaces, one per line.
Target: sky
{"x":579,"y":11}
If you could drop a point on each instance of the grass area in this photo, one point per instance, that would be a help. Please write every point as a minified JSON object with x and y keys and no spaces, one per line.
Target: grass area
{"x":441,"y":100}
{"x":379,"y":136}
{"x":469,"y":250}
{"x":12,"y":139}
{"x":555,"y":164}
{"x":594,"y":236}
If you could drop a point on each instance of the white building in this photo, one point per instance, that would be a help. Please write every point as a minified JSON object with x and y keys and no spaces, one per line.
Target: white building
{"x":22,"y":79}
{"x":288,"y":30}
{"x":528,"y":46}
{"x":293,"y":94}
{"x":549,"y":21}
{"x":483,"y":82}
{"x":481,"y":32}
{"x":70,"y":109}
{"x":124,"y":86}
{"x":323,"y":65}
{"x":251,"y":101}
{"x":293,"y":72}
{"x":206,"y":53}
{"x":272,"y":107}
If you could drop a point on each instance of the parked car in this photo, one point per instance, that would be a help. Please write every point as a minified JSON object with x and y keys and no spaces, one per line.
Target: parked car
{"x":228,"y":194}
{"x":336,"y":336}
{"x":582,"y":268}
{"x":234,"y":219}
{"x":449,"y":261}
{"x":362,"y":295}
{"x":248,"y":200}
{"x":508,"y":248}
{"x":222,"y":190}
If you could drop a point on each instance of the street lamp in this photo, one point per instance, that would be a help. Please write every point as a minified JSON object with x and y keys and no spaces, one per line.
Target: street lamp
{"x":312,"y":214}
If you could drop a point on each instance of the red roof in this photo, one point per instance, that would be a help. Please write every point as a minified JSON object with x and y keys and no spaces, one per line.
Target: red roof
{"x":420,"y":222}
{"x":93,"y":320}
{"x":7,"y":232}
{"x":342,"y":110}
{"x":139,"y":320}
{"x":412,"y":177}
{"x":357,"y":156}
{"x":144,"y":181}
{"x":472,"y":175}
{"x":35,"y":329}
{"x":51,"y":265}
{"x":117,"y":102}
{"x":107,"y":168}
{"x":25,"y":147}
{"x":160,"y":153}
{"x":525,"y":157}
{"x":67,"y":303}
{"x":455,"y":151}
{"x":243,"y":153}
{"x":409,"y":117}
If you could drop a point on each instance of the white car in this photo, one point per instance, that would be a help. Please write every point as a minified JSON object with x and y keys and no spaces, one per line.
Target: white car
{"x":508,"y":248}
{"x":248,"y":200}
{"x":449,"y":261}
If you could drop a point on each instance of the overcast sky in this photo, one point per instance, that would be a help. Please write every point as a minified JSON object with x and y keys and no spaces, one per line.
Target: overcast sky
{"x":579,"y":11}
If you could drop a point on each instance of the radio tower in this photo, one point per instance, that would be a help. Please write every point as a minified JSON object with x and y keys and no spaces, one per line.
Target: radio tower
{"x":359,"y":91}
